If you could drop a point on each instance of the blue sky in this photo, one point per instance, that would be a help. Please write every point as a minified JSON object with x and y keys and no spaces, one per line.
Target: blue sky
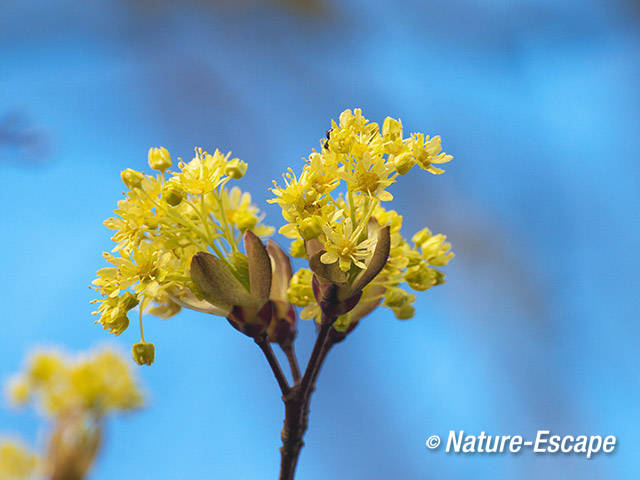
{"x":537,"y":324}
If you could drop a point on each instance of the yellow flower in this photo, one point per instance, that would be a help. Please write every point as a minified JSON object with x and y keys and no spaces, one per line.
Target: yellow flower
{"x":235,"y":169}
{"x":204,"y":173}
{"x":344,"y":245}
{"x":178,"y":234}
{"x":172,"y":193}
{"x":100,"y":382}
{"x":360,"y":163}
{"x":18,"y":391}
{"x":297,"y":249}
{"x":16,"y":461}
{"x":131,"y":178}
{"x":242,"y":214}
{"x":340,"y":188}
{"x":427,"y":151}
{"x":434,"y":248}
{"x":300,"y":292}
{"x":160,"y":225}
{"x":371,"y":175}
{"x":300,"y":197}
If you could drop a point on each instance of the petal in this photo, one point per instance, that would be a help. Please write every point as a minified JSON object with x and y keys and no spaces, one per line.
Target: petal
{"x":385,"y":196}
{"x":434,"y":170}
{"x":345,"y":264}
{"x":328,"y":258}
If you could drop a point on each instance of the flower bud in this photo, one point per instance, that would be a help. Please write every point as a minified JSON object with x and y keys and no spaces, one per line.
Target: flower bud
{"x":159,"y":158}
{"x":310,"y":227}
{"x":396,"y":297}
{"x":421,"y":277}
{"x":131,"y":178}
{"x":115,"y":325}
{"x":128,"y":300}
{"x":236,"y":168}
{"x":143,"y":353}
{"x":422,"y":236}
{"x":404,"y":312}
{"x":172,"y":193}
{"x":404,"y":162}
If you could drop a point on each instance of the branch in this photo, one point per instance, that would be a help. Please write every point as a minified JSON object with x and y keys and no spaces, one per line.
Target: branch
{"x":293,"y":362}
{"x":297,"y":403}
{"x":265,"y":346}
{"x":310,"y":372}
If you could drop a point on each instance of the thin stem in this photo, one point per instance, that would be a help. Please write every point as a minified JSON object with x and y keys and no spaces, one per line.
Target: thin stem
{"x":296,"y":403}
{"x":293,"y":362}
{"x":332,"y":338}
{"x":315,"y":355}
{"x":225,"y":223}
{"x":141,"y":328}
{"x":265,"y":346}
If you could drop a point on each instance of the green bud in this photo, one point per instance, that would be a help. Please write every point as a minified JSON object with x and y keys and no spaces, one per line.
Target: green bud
{"x":310,"y":227}
{"x":404,"y":312}
{"x":396,"y":297}
{"x":438,"y":276}
{"x":421,"y":277}
{"x":143,"y":353}
{"x":131,"y":178}
{"x":159,"y":158}
{"x":172,"y":193}
{"x":236,"y":168}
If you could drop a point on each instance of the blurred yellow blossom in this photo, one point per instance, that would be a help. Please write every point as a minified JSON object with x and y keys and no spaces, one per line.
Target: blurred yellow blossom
{"x":100,"y":382}
{"x":16,"y":461}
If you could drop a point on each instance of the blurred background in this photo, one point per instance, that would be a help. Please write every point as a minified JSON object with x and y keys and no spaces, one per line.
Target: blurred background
{"x":536,"y":328}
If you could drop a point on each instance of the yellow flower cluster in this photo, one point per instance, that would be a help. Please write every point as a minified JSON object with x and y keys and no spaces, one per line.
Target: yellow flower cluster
{"x":16,"y":461}
{"x":98,"y":383}
{"x":410,"y":264}
{"x":161,"y":223}
{"x":336,"y":200}
{"x":178,"y":237}
{"x":365,"y":162}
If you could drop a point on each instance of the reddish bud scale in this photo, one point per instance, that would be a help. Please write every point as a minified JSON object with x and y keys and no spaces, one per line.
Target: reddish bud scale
{"x":282,"y":329}
{"x":252,"y":325}
{"x":327,"y":297}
